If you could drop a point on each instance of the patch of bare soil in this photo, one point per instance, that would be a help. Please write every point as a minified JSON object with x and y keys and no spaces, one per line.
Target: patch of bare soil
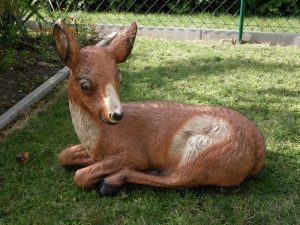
{"x":32,"y":67}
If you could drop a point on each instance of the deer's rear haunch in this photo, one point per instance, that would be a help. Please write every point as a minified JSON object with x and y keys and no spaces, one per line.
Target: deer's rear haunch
{"x":156,"y":143}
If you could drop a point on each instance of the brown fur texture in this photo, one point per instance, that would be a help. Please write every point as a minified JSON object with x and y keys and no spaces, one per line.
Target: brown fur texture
{"x":186,"y":145}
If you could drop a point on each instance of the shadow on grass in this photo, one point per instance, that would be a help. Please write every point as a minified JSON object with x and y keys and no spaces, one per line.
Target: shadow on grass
{"x":259,"y":104}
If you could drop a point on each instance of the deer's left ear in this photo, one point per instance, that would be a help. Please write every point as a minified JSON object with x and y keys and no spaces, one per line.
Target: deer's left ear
{"x":66,"y":44}
{"x":122,"y":45}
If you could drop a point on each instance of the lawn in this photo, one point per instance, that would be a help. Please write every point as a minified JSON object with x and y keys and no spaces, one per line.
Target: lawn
{"x":260,"y":81}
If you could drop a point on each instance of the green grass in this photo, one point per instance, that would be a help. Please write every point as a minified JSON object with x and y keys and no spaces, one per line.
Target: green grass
{"x":260,"y":81}
{"x":203,"y":20}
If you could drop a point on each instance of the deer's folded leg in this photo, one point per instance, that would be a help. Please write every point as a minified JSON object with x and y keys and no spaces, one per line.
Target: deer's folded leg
{"x":75,"y":157}
{"x":91,"y":176}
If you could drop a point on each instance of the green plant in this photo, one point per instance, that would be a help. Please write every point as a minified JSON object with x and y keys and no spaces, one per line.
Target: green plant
{"x":58,"y":13}
{"x":8,"y":58}
{"x":272,"y":7}
{"x":14,"y":15}
{"x":10,"y":35}
{"x":45,"y":78}
{"x":24,"y":54}
{"x":78,"y":25}
{"x":37,"y":78}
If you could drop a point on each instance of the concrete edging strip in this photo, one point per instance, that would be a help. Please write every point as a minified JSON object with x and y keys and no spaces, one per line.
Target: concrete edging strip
{"x":177,"y":33}
{"x":181,"y":33}
{"x":41,"y":91}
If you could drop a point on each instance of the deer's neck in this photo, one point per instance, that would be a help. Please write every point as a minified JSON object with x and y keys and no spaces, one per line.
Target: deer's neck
{"x":87,"y":130}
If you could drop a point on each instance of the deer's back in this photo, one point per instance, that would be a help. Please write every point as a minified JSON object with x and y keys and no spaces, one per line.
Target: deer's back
{"x":187,"y":130}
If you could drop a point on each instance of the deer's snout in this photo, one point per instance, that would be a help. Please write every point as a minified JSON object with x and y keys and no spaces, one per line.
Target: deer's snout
{"x":116,"y":116}
{"x":114,"y":111}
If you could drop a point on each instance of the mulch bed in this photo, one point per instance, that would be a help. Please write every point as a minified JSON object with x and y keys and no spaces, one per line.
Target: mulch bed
{"x":32,"y":70}
{"x":19,"y":80}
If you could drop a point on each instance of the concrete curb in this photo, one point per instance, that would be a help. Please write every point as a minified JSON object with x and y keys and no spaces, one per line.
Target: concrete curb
{"x":41,"y":91}
{"x":177,"y":33}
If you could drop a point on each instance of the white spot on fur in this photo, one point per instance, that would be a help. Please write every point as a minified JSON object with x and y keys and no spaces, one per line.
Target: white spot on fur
{"x":86,"y":129}
{"x":111,"y":101}
{"x":197,"y":135}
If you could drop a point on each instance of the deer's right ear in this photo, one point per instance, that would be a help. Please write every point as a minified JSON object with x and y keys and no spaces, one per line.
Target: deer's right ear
{"x":66,"y":44}
{"x":122,"y":45}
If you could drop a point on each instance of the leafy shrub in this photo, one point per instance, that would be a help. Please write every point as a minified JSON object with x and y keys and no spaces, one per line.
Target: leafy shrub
{"x":272,"y":7}
{"x":8,"y":58}
{"x":83,"y":30}
{"x":13,"y":17}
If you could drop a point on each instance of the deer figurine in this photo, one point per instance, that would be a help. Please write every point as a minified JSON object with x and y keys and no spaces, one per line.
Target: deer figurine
{"x":153,"y":143}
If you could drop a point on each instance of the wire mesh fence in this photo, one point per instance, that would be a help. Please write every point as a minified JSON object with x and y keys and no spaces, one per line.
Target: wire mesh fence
{"x":260,"y":15}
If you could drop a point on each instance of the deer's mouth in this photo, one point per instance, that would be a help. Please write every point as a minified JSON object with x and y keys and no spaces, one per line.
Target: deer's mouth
{"x":108,"y":122}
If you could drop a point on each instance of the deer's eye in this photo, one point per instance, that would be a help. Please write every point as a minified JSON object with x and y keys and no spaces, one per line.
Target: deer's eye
{"x":85,"y":85}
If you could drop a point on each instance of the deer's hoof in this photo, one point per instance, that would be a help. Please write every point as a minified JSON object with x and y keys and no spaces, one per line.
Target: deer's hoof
{"x":107,"y":189}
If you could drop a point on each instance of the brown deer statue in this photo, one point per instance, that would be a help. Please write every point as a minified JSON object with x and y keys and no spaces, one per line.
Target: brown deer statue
{"x":154,"y":143}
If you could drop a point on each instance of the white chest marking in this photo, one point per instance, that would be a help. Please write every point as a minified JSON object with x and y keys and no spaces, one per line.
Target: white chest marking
{"x":196,"y":136}
{"x":86,"y":129}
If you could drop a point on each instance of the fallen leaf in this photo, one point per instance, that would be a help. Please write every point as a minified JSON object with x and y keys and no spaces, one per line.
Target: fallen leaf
{"x":23,"y":157}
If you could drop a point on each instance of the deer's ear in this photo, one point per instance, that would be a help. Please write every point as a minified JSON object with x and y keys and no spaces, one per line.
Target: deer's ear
{"x":66,"y":44}
{"x":122,"y":45}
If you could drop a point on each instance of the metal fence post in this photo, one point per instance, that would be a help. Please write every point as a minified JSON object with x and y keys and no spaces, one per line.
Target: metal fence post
{"x":241,"y":23}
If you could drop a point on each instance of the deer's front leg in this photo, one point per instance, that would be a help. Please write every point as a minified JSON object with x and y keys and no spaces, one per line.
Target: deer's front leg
{"x":91,"y":176}
{"x":75,"y":157}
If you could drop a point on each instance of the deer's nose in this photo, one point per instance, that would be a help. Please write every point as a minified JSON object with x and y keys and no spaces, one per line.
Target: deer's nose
{"x":116,"y":116}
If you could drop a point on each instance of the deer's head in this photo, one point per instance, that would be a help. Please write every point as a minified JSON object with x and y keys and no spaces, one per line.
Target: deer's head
{"x":95,"y":79}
